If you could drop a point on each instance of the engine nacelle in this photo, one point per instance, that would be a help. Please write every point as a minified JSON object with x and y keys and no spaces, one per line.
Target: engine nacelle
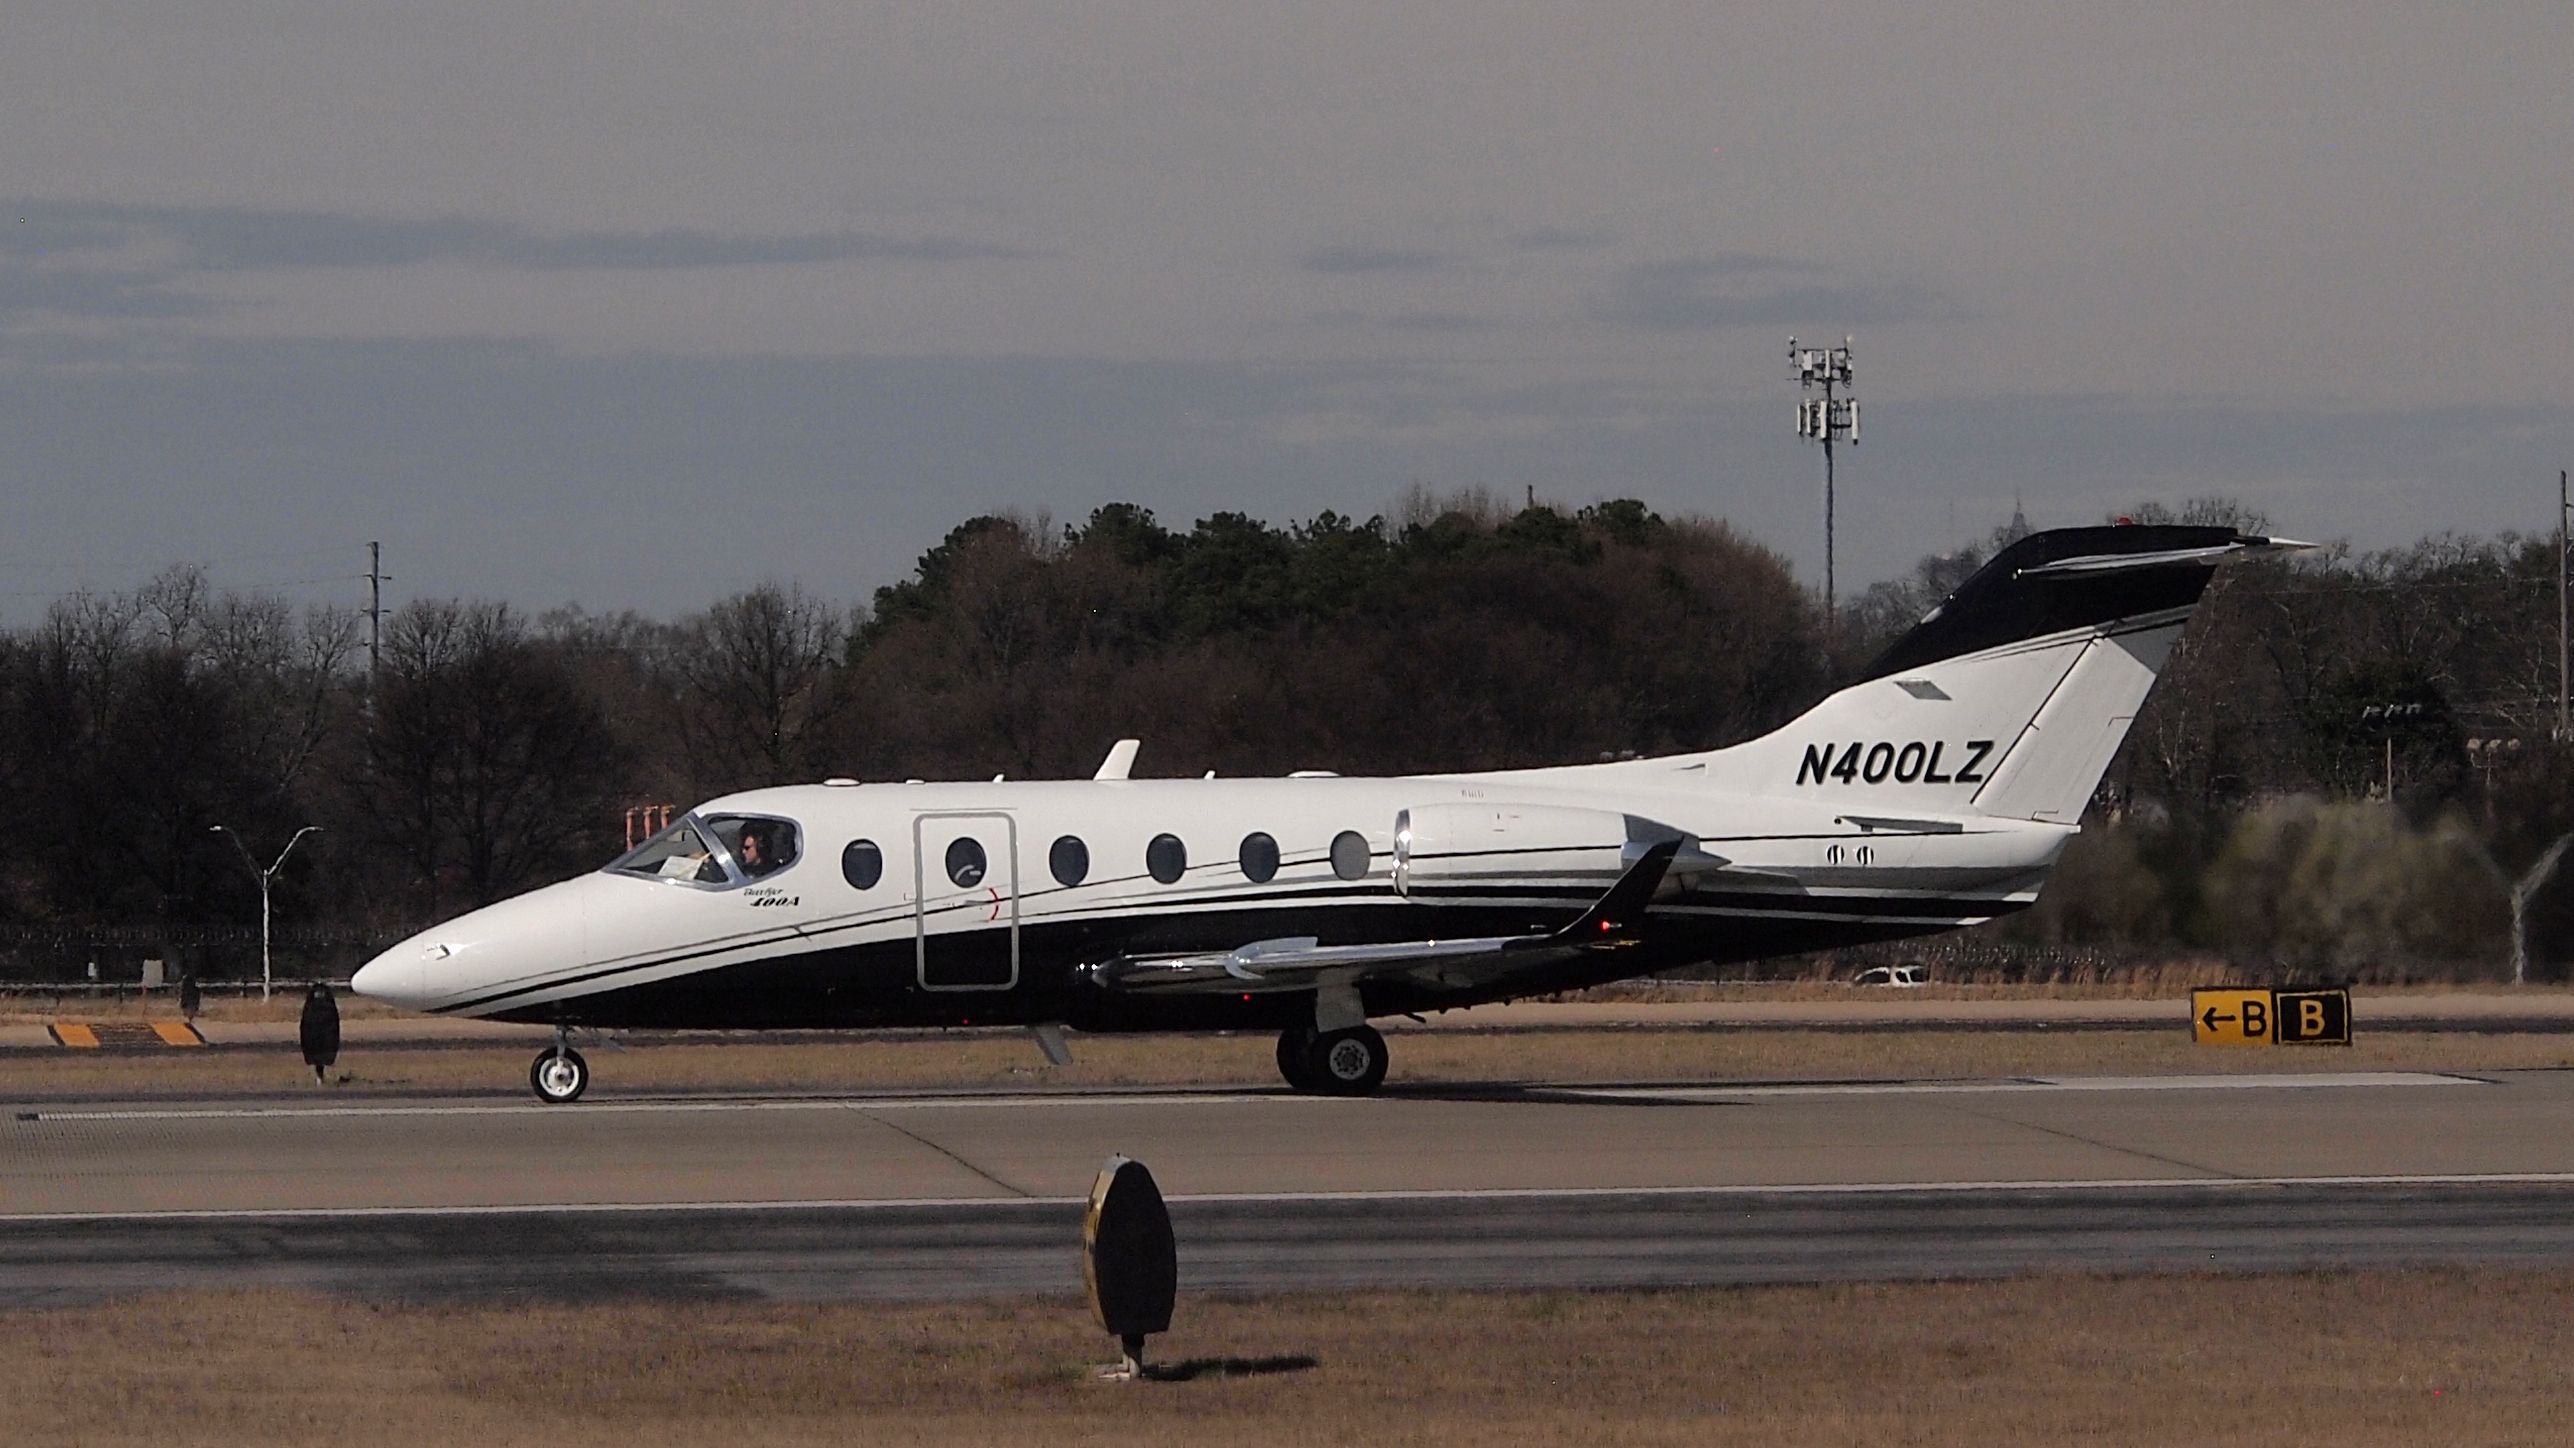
{"x":1465,"y":844}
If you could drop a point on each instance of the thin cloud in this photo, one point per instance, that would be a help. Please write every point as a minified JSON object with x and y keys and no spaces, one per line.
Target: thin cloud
{"x":1558,"y":238}
{"x":235,"y":239}
{"x":1749,"y":290}
{"x":1432,"y":321}
{"x":1344,"y":260}
{"x":27,"y":290}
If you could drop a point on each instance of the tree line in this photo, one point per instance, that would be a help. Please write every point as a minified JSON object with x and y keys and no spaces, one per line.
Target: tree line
{"x":482,"y":750}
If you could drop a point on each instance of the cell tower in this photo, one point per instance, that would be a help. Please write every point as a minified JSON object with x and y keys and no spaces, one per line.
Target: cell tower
{"x":1834,"y":414}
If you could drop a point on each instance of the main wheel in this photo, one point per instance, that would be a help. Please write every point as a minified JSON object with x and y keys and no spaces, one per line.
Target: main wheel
{"x":1296,"y":1058}
{"x":1348,"y":1063}
{"x":559,"y":1076}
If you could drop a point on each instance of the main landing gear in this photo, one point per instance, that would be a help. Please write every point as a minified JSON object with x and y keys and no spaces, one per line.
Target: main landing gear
{"x":559,"y":1075}
{"x":1332,"y":1063}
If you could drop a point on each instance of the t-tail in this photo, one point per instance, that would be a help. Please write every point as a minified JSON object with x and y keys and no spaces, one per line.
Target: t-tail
{"x":2010,"y":698}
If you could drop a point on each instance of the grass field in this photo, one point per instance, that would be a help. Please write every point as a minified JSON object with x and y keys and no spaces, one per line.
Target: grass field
{"x":2449,"y":1357}
{"x":1004,"y":1059}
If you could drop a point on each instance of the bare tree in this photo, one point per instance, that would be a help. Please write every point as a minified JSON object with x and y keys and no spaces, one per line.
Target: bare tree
{"x":762,"y":685}
{"x":487,"y":767}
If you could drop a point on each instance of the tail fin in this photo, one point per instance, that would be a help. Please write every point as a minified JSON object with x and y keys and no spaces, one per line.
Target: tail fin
{"x":2010,"y":697}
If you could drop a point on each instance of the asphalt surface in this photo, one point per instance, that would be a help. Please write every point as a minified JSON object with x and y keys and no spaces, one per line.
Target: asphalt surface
{"x":928,"y":1195}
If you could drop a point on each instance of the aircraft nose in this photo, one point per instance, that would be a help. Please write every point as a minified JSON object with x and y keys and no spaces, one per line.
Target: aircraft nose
{"x":454,"y":966}
{"x":393,"y":977}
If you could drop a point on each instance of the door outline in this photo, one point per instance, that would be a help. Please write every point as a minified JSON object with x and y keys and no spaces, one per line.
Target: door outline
{"x":920,"y":894}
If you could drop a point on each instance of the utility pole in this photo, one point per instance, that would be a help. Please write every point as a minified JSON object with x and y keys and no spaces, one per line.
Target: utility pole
{"x":1834,"y":414}
{"x":376,"y":579}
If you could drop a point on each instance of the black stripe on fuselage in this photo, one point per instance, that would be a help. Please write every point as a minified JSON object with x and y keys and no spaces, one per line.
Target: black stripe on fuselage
{"x":1356,"y":915}
{"x":873,"y":984}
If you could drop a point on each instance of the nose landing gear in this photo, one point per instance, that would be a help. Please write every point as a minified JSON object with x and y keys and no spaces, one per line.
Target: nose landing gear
{"x":1349,"y":1062}
{"x":559,"y":1075}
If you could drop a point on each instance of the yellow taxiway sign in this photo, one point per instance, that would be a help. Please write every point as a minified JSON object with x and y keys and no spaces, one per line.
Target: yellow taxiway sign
{"x":2319,"y":1016}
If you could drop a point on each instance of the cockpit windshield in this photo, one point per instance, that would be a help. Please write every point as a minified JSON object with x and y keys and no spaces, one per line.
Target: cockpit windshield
{"x":716,"y":851}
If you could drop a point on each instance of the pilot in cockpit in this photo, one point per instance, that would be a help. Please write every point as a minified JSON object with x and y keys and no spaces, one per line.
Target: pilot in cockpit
{"x":759,"y":852}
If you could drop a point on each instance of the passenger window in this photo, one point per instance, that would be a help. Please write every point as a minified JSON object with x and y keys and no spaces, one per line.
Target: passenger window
{"x":1259,"y":858}
{"x":1166,"y":858}
{"x":862,"y":864}
{"x":1070,"y":860}
{"x":1349,"y":854}
{"x":965,"y":863}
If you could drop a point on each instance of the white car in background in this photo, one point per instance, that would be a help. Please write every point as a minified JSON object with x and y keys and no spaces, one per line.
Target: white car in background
{"x":1896,"y":975}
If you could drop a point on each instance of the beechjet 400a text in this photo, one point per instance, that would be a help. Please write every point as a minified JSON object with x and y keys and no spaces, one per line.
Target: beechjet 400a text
{"x":1936,"y":792}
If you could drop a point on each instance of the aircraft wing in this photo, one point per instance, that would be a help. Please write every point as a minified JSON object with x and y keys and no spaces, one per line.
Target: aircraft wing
{"x":1303,"y":962}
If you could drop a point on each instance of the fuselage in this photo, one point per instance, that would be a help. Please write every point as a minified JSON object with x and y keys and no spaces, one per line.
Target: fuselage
{"x":994,"y":903}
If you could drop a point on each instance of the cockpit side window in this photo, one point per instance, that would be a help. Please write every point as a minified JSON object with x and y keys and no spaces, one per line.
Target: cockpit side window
{"x":718,"y":851}
{"x":760,"y":845}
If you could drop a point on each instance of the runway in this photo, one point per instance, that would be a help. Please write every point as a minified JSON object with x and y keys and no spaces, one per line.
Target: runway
{"x":958,"y":1194}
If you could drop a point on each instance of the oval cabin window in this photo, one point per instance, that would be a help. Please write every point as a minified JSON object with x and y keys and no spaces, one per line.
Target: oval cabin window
{"x":965,"y":863}
{"x":1166,"y":858}
{"x":1349,"y":854}
{"x":1070,"y":860}
{"x":1259,"y":858}
{"x":862,"y":864}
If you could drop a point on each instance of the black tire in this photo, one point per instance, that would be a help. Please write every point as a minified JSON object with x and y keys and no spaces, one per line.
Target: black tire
{"x":559,"y":1076}
{"x":1296,"y":1058}
{"x":1348,"y":1063}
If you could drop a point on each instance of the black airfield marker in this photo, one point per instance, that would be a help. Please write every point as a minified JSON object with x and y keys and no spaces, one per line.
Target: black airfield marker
{"x":320,"y":1032}
{"x":1129,"y":1260}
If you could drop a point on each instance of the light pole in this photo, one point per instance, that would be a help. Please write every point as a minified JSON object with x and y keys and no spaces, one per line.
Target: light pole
{"x":264,"y":877}
{"x":1823,"y":419}
{"x":2564,"y":550}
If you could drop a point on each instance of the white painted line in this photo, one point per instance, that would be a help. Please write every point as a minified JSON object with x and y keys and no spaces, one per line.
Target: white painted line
{"x":633,"y":1108}
{"x":2321,"y":1080}
{"x":1471,"y":1194}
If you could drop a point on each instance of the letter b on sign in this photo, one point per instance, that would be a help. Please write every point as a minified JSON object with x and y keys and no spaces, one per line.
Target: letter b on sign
{"x":2314,"y":1017}
{"x":2256,"y":1020}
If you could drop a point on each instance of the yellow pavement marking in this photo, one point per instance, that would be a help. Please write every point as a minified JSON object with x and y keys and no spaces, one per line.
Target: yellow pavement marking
{"x":83,"y":1036}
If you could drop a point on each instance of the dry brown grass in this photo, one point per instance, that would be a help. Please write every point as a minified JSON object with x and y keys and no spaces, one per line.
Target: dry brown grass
{"x":2172,"y":981}
{"x":2452,"y":1357}
{"x":1006,"y":1060}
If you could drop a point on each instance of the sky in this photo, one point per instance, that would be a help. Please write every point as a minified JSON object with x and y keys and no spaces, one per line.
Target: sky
{"x":639,"y":305}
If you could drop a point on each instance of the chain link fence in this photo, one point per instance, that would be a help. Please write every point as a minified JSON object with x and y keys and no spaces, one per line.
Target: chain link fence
{"x":114,"y":956}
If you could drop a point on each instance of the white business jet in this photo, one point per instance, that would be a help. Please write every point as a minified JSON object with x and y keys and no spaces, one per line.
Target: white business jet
{"x":1937,"y":792}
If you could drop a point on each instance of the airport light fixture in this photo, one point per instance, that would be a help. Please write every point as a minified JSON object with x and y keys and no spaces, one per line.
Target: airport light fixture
{"x":1834,"y":414}
{"x":264,"y":877}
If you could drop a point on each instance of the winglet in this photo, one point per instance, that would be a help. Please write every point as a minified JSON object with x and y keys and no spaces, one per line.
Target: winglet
{"x":1121,"y":758}
{"x":1619,"y":912}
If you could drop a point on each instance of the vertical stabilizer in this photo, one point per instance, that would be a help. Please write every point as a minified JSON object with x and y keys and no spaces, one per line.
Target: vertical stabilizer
{"x":2011,"y":697}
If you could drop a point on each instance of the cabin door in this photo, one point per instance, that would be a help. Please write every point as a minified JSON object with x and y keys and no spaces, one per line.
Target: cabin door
{"x":965,"y":899}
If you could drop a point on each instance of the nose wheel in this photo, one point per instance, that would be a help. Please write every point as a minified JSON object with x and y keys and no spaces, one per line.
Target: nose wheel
{"x":559,"y":1075}
{"x":1333,"y":1063}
